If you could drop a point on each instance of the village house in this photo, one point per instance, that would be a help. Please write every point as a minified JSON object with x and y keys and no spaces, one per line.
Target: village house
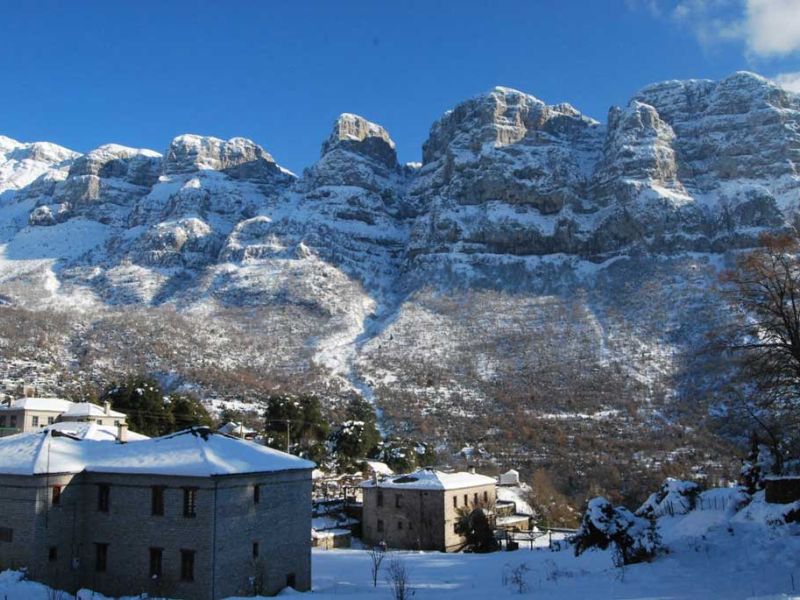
{"x":420,"y":511}
{"x":238,"y":430}
{"x":195,"y":514}
{"x":31,"y":414}
{"x":92,"y":413}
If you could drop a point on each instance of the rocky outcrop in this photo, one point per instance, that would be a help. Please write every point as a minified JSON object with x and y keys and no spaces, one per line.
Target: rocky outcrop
{"x":356,"y":135}
{"x":238,"y":158}
{"x":99,"y":185}
{"x":112,"y":161}
{"x":21,"y":164}
{"x":638,"y":148}
{"x":347,"y":209}
{"x":740,"y":128}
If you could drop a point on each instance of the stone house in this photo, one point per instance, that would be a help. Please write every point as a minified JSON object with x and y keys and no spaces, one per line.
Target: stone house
{"x":92,"y":413}
{"x":419,"y":511}
{"x":31,"y":414}
{"x":195,"y":514}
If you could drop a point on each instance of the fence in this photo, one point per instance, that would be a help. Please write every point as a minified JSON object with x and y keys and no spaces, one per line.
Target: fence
{"x":679,"y":508}
{"x":535,"y":539}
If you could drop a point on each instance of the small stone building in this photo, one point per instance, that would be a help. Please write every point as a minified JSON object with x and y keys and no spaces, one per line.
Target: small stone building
{"x":419,"y":511}
{"x":194,"y":514}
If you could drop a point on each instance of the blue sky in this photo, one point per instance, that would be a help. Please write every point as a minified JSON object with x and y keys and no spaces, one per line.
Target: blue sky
{"x":85,"y":73}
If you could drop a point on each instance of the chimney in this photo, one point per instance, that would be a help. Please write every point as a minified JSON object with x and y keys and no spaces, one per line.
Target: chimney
{"x":122,"y":433}
{"x":107,"y":407}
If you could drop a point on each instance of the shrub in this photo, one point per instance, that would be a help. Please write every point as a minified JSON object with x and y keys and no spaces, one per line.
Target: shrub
{"x":635,"y":539}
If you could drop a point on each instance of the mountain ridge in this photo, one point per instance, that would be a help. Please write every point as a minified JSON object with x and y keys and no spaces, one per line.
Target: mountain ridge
{"x":532,"y":254}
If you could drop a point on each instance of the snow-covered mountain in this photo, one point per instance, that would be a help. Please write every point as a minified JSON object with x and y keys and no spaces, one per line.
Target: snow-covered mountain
{"x":536,"y":259}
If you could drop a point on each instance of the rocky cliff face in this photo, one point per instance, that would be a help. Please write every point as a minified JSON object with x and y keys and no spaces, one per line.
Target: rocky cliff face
{"x":431,"y":283}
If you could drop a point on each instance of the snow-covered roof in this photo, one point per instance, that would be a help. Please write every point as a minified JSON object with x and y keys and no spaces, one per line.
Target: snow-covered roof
{"x":87,"y":409}
{"x":195,"y":452}
{"x":515,"y":495}
{"x":93,"y":431}
{"x":381,"y":468}
{"x":431,"y":479}
{"x":510,"y":477}
{"x":57,"y":405}
{"x":233,"y":428}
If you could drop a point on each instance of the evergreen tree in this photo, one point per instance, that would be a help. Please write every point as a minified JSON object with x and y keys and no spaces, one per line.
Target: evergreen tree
{"x":188,"y":412}
{"x":302,"y":416}
{"x":142,"y":400}
{"x":356,"y":438}
{"x":404,"y":455}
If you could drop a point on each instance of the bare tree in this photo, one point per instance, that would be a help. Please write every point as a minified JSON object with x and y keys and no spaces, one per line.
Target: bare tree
{"x":398,"y":579}
{"x":764,"y":288}
{"x":376,"y":555}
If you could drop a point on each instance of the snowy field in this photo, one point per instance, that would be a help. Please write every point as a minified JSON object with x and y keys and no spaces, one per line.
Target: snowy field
{"x":711,"y":554}
{"x":744,"y":564}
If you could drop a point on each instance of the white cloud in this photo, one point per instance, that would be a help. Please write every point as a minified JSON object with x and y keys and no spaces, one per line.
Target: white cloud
{"x":773,"y":27}
{"x":789,"y":81}
{"x":766,"y":28}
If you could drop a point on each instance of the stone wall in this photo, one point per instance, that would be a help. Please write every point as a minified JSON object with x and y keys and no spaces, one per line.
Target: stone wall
{"x":782,"y":490}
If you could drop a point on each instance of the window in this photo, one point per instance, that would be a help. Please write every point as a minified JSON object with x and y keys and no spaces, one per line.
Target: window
{"x":475,"y":498}
{"x":103,"y":497}
{"x":466,"y":501}
{"x":291,"y":580}
{"x":116,"y":423}
{"x":156,"y":556}
{"x":51,"y":420}
{"x":157,"y":500}
{"x":99,"y":421}
{"x":455,"y":527}
{"x":486,"y":496}
{"x":6,"y":534}
{"x":35,"y":421}
{"x":3,"y":421}
{"x":187,"y":565}
{"x":399,"y":525}
{"x":255,"y":549}
{"x":189,"y":502}
{"x":380,"y":526}
{"x":100,"y":557}
{"x":380,"y":497}
{"x":56,"y":497}
{"x":455,"y":501}
{"x":52,"y":554}
{"x":398,"y":500}
{"x":256,"y":494}
{"x":13,"y":421}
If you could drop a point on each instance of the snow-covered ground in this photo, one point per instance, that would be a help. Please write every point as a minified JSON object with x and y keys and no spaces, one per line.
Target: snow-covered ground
{"x":707,"y":560}
{"x":711,"y":554}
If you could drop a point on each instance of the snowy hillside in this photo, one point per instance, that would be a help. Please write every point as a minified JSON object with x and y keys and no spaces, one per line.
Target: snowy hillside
{"x":537,"y":263}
